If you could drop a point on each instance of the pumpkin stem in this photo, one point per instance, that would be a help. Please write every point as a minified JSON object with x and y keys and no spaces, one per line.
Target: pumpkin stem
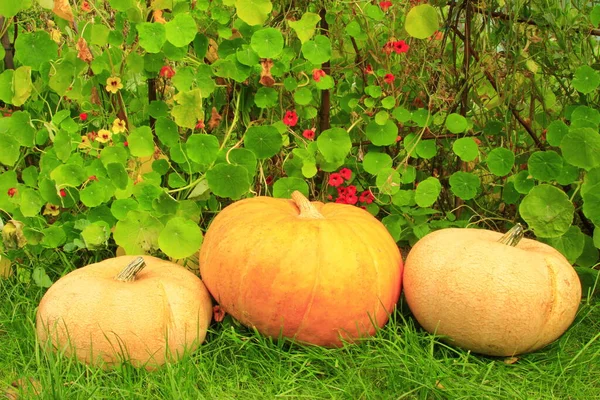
{"x":307,"y":209}
{"x":513,"y":236}
{"x":129,"y":273}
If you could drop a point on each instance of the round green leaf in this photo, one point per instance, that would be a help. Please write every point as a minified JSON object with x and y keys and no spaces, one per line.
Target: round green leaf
{"x":306,"y":26}
{"x":253,"y":12}
{"x":466,"y":149}
{"x":303,"y":96}
{"x":523,"y":182}
{"x":456,"y":123}
{"x":318,"y":50}
{"x":581,"y":148}
{"x":382,"y":135}
{"x":422,"y":21}
{"x":267,"y":42}
{"x":31,"y":202}
{"x":138,"y":233}
{"x":586,"y":79}
{"x":545,"y":165}
{"x":141,"y":142}
{"x":374,"y":162}
{"x":334,"y":144}
{"x":227,"y":180}
{"x":388,"y":181}
{"x":35,"y":48}
{"x":121,"y":207}
{"x":93,"y":194}
{"x":570,"y":244}
{"x":167,"y":131}
{"x":265,"y":141}
{"x":547,"y":210}
{"x":555,"y":132}
{"x":464,"y":184}
{"x":500,"y":161}
{"x":584,"y":116}
{"x":152,"y":36}
{"x":284,"y":187}
{"x":54,"y":237}
{"x":426,"y":149}
{"x":181,"y":30}
{"x":95,"y":234}
{"x":427,"y":192}
{"x":68,"y":175}
{"x":589,"y":254}
{"x":266,"y":97}
{"x":180,"y":238}
{"x":202,"y":149}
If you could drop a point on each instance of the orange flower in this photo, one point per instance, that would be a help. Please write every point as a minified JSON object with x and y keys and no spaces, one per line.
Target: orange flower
{"x":119,"y":126}
{"x":86,"y":7}
{"x":113,"y":84}
{"x":104,"y":136}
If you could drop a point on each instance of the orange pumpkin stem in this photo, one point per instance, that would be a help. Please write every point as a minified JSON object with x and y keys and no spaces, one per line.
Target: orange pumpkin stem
{"x":307,"y":209}
{"x":513,"y":236}
{"x":129,"y":273}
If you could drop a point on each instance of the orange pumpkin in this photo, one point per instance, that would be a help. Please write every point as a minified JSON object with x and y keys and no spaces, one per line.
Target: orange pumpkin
{"x":317,"y":273}
{"x":488,"y":293}
{"x":104,"y":313}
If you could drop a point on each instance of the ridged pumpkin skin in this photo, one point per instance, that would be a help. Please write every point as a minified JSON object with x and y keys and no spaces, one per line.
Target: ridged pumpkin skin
{"x":101,"y":315}
{"x":274,"y":264}
{"x":489,"y":297}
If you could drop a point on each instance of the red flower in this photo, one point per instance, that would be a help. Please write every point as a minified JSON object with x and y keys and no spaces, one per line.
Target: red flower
{"x":83,"y":116}
{"x":309,"y":134}
{"x":398,"y":138}
{"x":335,"y":179}
{"x":351,"y":199}
{"x":269,"y":180}
{"x":318,"y":74}
{"x":341,"y":191}
{"x":346,"y":173}
{"x":85,"y":7}
{"x":126,"y":143}
{"x":167,"y":72}
{"x":389,"y":78}
{"x":341,"y":200}
{"x":369,"y":69}
{"x":92,"y":178}
{"x":12,"y":192}
{"x":351,"y":190}
{"x":401,"y":47}
{"x":366,"y":197}
{"x":385,"y":5}
{"x":200,"y":124}
{"x":62,"y":193}
{"x":290,"y":118}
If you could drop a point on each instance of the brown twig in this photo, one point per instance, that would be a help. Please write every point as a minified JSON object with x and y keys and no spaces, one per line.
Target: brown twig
{"x":8,"y":46}
{"x":324,"y":112}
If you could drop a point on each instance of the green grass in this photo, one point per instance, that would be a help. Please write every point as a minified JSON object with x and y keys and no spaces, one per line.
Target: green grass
{"x":400,"y":362}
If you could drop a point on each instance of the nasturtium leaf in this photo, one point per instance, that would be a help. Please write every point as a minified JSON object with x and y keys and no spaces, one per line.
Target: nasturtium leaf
{"x":318,"y":50}
{"x":493,"y":127}
{"x":122,"y":5}
{"x":422,"y":21}
{"x":99,"y":34}
{"x":456,"y":123}
{"x":555,"y":132}
{"x":9,"y":8}
{"x":31,"y":202}
{"x":500,"y":161}
{"x":545,"y":165}
{"x":202,"y":149}
{"x":265,"y":141}
{"x":267,"y":42}
{"x":164,"y":205}
{"x":242,"y":157}
{"x":167,"y":131}
{"x":586,"y":79}
{"x":354,"y":29}
{"x":394,"y":223}
{"x":54,"y":237}
{"x":284,"y":187}
{"x":93,"y":194}
{"x":584,"y":116}
{"x":118,"y":175}
{"x":374,"y":162}
{"x":426,"y":149}
{"x":421,"y":117}
{"x":570,"y":244}
{"x":581,"y":148}
{"x":305,"y":27}
{"x":113,"y":154}
{"x":523,"y":182}
{"x":388,"y":181}
{"x":19,"y":127}
{"x":253,"y":12}
{"x":21,"y":85}
{"x":68,"y":175}
{"x":427,"y":192}
{"x":466,"y":149}
{"x":35,"y":48}
{"x":121,"y":207}
{"x":266,"y":97}
{"x":141,"y":142}
{"x":401,"y":114}
{"x":247,"y":56}
{"x":509,"y":193}
{"x":589,"y":254}
{"x":158,"y":109}
{"x":408,"y":172}
{"x":590,"y":193}
{"x":325,"y":83}
{"x":388,"y":102}
{"x":29,"y":176}
{"x":374,"y":91}
{"x":334,"y":144}
{"x":40,"y":277}
{"x":230,"y":181}
{"x":145,"y":192}
{"x":95,"y":234}
{"x":63,"y":145}
{"x":6,"y":82}
{"x":547,"y":210}
{"x":138,"y":232}
{"x":594,"y":16}
{"x":181,"y":30}
{"x":464,"y":184}
{"x":410,"y":142}
{"x":382,"y":135}
{"x":303,"y":96}
{"x":180,"y":238}
{"x":189,"y":109}
{"x":404,"y":198}
{"x":374,"y":12}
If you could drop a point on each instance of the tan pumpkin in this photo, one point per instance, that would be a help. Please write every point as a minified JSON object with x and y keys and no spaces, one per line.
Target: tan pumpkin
{"x":488,"y":293}
{"x":117,"y":310}
{"x":317,"y":273}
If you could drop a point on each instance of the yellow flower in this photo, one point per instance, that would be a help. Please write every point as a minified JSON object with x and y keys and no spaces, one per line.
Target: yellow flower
{"x":104,"y":136}
{"x":51,"y":209}
{"x":113,"y":84}
{"x":85,"y":142}
{"x":118,"y":126}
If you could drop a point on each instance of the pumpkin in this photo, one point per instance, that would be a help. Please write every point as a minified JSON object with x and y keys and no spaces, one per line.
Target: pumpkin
{"x":488,"y":293}
{"x":316,"y":273}
{"x":116,"y":310}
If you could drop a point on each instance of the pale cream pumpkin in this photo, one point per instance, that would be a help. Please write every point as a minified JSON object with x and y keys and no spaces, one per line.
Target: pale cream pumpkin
{"x":488,"y":293}
{"x":114,"y":310}
{"x":317,"y":273}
